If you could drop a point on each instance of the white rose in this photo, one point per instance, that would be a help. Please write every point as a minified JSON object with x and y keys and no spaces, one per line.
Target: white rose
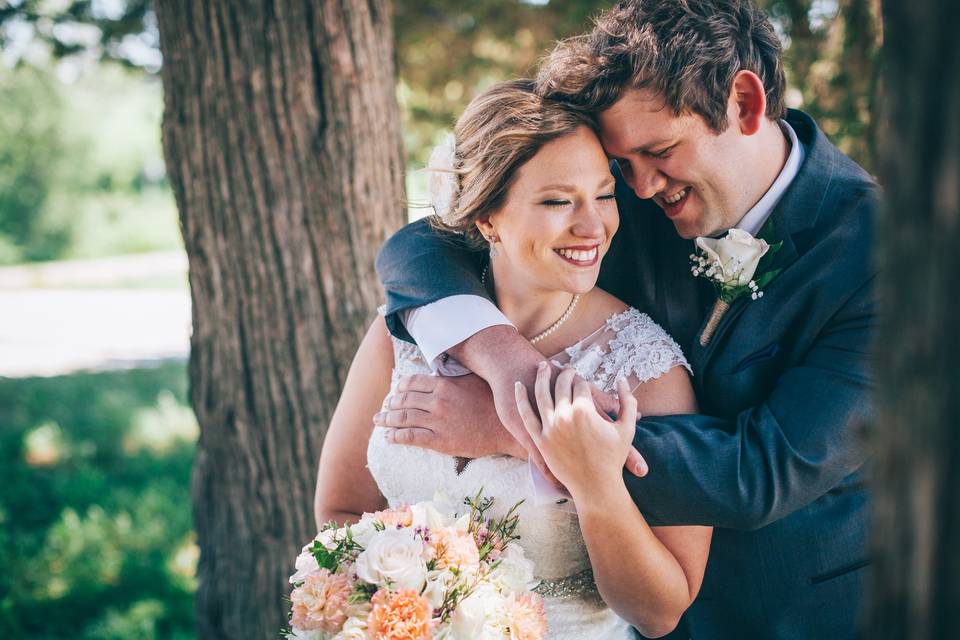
{"x":302,"y":634}
{"x":515,"y":571}
{"x":478,"y":615}
{"x":353,"y":629}
{"x":427,"y":515}
{"x":305,"y":565}
{"x":736,"y":255}
{"x":363,"y":531}
{"x":328,"y":538}
{"x":438,"y":583}
{"x":393,"y":556}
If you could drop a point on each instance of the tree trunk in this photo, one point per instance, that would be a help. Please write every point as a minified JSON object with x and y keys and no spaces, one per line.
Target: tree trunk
{"x":916,"y":591}
{"x":281,"y":135}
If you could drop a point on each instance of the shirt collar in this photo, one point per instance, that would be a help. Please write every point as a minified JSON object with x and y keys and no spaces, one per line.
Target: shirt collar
{"x":754,"y":219}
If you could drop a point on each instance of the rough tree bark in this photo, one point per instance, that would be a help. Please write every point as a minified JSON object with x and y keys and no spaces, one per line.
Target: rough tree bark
{"x":281,"y":135}
{"x":916,"y":588}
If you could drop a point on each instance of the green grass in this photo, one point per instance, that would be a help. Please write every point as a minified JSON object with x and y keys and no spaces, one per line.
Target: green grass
{"x":95,"y":523}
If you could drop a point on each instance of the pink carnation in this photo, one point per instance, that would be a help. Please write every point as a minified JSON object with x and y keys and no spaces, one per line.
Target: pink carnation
{"x":320,"y":603}
{"x":526,"y":617}
{"x":454,"y":548}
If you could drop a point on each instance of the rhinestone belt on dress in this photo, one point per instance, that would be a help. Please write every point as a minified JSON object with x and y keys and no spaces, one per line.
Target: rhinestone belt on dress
{"x":578,"y":584}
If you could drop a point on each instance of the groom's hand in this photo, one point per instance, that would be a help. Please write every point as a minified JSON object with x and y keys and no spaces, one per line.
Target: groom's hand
{"x":453,"y":415}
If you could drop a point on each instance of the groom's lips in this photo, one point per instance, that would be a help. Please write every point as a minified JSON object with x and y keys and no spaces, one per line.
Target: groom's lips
{"x":674,"y":209}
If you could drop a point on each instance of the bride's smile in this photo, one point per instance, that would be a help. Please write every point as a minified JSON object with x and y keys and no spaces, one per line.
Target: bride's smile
{"x":553,"y":229}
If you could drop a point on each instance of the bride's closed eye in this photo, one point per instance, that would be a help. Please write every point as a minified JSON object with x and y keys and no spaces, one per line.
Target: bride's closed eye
{"x":563,"y":203}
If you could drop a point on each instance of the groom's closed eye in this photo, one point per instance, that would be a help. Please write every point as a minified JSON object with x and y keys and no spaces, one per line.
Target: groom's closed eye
{"x":663,"y":153}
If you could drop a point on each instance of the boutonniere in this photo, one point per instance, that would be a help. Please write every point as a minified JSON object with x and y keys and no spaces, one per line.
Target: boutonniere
{"x":734,"y":264}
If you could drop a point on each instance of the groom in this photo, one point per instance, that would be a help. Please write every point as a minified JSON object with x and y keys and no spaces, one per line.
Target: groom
{"x":689,"y":97}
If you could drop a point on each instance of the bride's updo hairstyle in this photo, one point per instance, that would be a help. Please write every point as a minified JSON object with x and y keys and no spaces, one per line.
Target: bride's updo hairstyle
{"x":500,"y":130}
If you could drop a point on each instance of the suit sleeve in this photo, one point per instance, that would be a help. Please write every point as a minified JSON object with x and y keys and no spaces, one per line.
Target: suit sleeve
{"x":419,"y":265}
{"x":774,"y":458}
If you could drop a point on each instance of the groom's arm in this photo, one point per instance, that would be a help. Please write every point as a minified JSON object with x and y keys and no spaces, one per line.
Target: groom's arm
{"x":774,"y":458}
{"x":419,"y":265}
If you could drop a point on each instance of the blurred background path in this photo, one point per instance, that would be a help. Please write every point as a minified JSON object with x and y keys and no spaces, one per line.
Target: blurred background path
{"x":93,"y":314}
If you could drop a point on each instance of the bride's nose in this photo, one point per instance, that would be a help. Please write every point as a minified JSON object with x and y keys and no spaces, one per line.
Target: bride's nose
{"x":587,"y":221}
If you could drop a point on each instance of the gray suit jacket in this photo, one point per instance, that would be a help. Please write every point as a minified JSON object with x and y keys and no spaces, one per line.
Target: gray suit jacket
{"x":774,"y":458}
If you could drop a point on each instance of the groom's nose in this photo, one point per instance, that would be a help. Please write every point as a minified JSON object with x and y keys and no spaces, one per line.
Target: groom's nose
{"x":645,"y":179}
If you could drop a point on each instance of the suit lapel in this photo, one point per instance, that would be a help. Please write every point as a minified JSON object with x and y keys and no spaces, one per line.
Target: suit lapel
{"x":679,"y":296}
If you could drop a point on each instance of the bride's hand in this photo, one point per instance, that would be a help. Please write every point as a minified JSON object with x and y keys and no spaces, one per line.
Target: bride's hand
{"x":580,"y":445}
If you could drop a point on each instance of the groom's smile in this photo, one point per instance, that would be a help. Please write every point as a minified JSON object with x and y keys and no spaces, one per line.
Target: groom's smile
{"x":673,"y":205}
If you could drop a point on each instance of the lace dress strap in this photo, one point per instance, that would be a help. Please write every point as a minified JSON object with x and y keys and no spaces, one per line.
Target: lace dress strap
{"x":629,"y":345}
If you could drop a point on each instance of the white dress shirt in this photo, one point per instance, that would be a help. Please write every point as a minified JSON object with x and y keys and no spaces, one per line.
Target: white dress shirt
{"x":445,"y":323}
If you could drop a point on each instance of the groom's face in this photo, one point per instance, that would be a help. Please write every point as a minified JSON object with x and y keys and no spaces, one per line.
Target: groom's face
{"x":694,"y":174}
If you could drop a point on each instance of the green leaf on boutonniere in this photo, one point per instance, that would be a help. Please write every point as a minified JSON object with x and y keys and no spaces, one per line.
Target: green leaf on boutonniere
{"x":767,"y":258}
{"x":766,"y":278}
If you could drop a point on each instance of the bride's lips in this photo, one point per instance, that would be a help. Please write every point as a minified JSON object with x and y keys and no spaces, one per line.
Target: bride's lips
{"x":581,"y":256}
{"x":673,"y":204}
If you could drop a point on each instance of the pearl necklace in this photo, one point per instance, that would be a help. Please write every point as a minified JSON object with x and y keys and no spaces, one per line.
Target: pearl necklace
{"x":556,"y":325}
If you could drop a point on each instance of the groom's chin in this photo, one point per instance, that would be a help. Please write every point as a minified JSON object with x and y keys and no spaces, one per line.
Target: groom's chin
{"x":686,"y":230}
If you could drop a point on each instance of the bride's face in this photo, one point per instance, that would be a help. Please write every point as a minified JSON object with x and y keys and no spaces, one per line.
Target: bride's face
{"x":559,"y":216}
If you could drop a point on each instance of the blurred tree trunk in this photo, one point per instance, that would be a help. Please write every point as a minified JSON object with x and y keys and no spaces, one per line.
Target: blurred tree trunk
{"x":916,"y":592}
{"x":282,"y":141}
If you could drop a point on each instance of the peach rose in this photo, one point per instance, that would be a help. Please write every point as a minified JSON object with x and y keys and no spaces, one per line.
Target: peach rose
{"x":404,"y":615}
{"x":320,"y":603}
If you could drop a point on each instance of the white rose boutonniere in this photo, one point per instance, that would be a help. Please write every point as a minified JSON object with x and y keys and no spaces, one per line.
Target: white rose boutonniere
{"x":732,"y":263}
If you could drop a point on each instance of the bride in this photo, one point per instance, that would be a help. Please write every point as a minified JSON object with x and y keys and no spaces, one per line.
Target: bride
{"x":533,"y":183}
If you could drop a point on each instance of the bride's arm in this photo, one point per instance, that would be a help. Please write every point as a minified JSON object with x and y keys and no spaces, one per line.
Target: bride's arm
{"x":345,"y":488}
{"x":648,"y":576}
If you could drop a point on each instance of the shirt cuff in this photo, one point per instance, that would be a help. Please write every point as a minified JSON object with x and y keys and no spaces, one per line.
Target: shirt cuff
{"x":443,"y":324}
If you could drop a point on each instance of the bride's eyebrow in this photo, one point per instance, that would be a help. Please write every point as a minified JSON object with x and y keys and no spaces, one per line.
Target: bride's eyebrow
{"x":556,"y":187}
{"x":570,"y":188}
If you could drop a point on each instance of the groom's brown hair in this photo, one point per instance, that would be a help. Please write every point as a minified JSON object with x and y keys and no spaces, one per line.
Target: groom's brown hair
{"x":686,"y":51}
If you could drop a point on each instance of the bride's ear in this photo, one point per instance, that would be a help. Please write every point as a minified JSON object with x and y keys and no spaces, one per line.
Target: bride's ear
{"x":486,"y":228}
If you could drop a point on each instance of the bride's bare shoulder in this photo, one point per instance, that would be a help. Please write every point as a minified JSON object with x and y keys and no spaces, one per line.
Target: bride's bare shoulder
{"x":600,"y":305}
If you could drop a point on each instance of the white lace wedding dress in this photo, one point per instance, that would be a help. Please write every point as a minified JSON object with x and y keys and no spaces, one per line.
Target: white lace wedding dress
{"x":628,"y":344}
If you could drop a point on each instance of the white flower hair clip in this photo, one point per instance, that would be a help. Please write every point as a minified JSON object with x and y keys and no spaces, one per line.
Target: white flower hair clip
{"x":443,"y":183}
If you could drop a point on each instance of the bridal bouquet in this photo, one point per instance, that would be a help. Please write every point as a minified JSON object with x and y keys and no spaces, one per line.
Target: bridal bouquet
{"x":417,"y":572}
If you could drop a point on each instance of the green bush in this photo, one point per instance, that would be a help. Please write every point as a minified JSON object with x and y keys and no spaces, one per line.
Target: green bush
{"x":95,"y":523}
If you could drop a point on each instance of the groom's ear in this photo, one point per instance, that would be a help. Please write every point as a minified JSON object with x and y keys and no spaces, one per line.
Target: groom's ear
{"x":750,"y":101}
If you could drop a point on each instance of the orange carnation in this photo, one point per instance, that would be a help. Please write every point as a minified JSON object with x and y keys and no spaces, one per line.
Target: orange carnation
{"x":404,"y":615}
